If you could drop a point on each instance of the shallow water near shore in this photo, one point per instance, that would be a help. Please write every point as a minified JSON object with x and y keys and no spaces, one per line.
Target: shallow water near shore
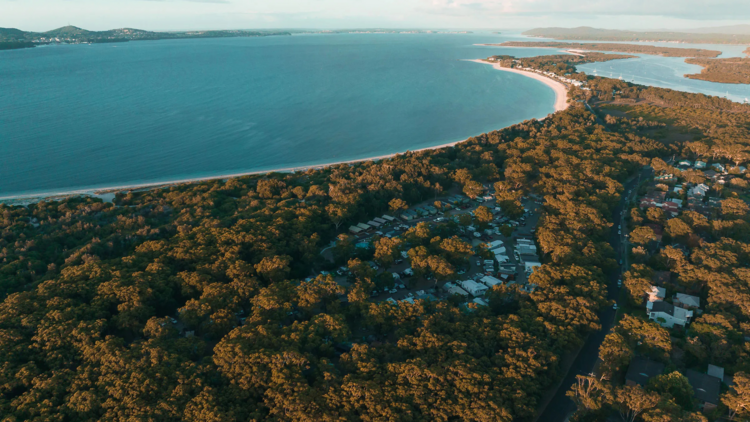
{"x":94,"y":116}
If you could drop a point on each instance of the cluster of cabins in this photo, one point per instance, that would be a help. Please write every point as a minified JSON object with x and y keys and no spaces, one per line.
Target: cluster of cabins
{"x":373,"y":224}
{"x":716,"y":169}
{"x":411,"y":298}
{"x":706,"y":386}
{"x":526,"y":254}
{"x":697,"y":196}
{"x":408,"y":215}
{"x":423,"y":211}
{"x":475,"y":288}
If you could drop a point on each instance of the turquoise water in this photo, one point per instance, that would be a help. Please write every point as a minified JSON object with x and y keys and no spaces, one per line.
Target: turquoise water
{"x":92,"y":116}
{"x":666,"y":72}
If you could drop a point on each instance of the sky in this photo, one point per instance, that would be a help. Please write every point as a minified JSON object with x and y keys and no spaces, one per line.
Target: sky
{"x":42,"y":15}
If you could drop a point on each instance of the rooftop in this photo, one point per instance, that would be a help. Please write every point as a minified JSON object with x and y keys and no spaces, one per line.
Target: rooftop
{"x":705,"y":387}
{"x":640,"y":370}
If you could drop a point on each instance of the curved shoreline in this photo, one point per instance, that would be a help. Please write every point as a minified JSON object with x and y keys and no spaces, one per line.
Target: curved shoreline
{"x":561,"y":91}
{"x":561,"y":97}
{"x":24,"y":199}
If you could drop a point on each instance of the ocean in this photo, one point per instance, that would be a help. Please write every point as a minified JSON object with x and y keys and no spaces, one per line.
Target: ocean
{"x":78,"y":117}
{"x":84,"y":117}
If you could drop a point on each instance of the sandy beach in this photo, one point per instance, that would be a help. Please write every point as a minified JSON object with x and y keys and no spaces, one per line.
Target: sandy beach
{"x":561,"y":91}
{"x":106,"y":193}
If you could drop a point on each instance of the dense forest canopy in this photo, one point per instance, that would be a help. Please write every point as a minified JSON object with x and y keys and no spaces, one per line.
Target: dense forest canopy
{"x":733,"y":70}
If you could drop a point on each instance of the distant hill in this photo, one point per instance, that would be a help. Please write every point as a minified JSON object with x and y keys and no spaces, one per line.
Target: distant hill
{"x":11,"y":38}
{"x":733,"y":29}
{"x":69,"y":31}
{"x":595,"y":34}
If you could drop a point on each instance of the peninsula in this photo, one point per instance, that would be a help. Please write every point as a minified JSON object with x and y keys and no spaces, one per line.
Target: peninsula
{"x":619,"y":48}
{"x":596,"y":34}
{"x":11,"y":38}
{"x":732,"y":70}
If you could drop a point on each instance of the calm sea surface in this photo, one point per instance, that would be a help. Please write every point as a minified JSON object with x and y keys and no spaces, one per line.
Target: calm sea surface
{"x":92,"y":116}
{"x":87,"y":116}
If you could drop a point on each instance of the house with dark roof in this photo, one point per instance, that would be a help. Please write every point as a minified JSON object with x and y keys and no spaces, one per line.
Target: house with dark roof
{"x":716,"y":372}
{"x":641,"y":370}
{"x":711,"y":174}
{"x":668,"y":315}
{"x":706,"y":389}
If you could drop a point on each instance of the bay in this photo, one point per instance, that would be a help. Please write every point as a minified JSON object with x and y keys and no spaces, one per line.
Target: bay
{"x":81,"y":117}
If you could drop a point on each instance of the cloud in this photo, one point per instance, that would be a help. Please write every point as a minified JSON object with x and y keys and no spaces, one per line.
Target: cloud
{"x":197,"y":1}
{"x":686,"y":9}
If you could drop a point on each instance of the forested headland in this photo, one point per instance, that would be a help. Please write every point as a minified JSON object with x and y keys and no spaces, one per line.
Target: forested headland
{"x":595,"y":34}
{"x":729,"y":70}
{"x":618,"y":48}
{"x":12,"y":38}
{"x":733,"y":70}
{"x":206,"y":302}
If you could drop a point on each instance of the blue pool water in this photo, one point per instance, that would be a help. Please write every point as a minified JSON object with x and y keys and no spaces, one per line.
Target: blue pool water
{"x":91,"y":116}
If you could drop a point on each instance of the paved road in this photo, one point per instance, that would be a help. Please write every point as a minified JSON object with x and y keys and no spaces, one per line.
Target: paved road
{"x":560,"y":408}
